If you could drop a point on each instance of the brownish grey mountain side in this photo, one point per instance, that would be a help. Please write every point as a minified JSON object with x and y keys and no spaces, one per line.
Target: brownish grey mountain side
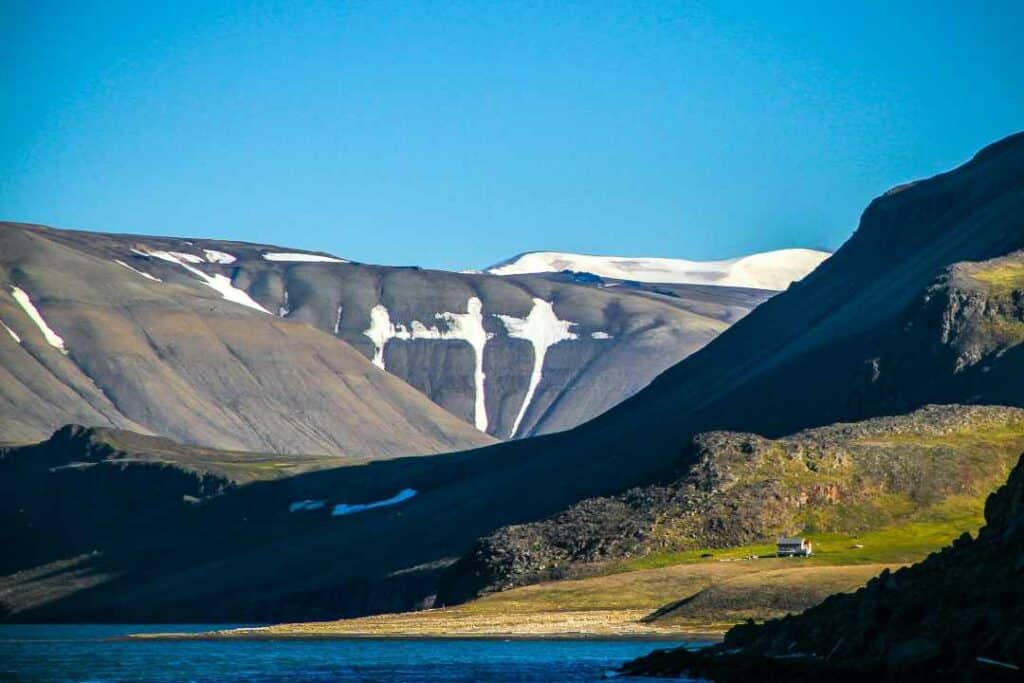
{"x":735,"y":489}
{"x":894,"y":628}
{"x":826,"y":350}
{"x":86,"y":340}
{"x":512,"y":356}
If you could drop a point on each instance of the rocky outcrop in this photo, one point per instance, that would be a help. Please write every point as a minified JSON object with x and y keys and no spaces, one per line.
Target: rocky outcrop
{"x":960,"y":338}
{"x":732,"y":489}
{"x":958,"y":616}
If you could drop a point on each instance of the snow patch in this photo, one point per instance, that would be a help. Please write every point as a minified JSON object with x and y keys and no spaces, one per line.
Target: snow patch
{"x":467,"y":327}
{"x":381,"y":330}
{"x":342,"y":509}
{"x":14,"y":335}
{"x":284,"y":309}
{"x":137,"y":271}
{"x":214,"y":256}
{"x":774,"y":270}
{"x":600,"y":335}
{"x":296,"y":257}
{"x":542,"y":328}
{"x":220,"y":283}
{"x":52,"y":338}
{"x":305,"y":505}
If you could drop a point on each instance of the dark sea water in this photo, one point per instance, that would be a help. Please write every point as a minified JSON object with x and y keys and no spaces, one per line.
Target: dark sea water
{"x":94,"y":653}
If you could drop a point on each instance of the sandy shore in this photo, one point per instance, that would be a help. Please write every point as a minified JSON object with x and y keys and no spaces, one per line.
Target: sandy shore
{"x":455,"y":623}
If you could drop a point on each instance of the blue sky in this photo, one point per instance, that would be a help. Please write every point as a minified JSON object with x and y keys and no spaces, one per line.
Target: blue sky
{"x":456,"y":134}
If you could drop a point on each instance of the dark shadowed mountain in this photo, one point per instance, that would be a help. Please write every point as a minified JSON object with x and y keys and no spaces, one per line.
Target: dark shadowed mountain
{"x":511,"y":356}
{"x":940,"y":258}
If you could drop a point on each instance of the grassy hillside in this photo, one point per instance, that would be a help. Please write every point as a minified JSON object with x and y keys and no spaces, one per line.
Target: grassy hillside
{"x":836,"y":482}
{"x":893,"y":628}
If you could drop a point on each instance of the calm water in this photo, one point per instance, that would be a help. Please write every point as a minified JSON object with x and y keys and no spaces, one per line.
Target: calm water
{"x":87,"y":653}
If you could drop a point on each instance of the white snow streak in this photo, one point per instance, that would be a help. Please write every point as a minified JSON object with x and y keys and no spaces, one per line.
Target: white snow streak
{"x":284,"y":309}
{"x":218,"y":282}
{"x":337,"y":322}
{"x":342,"y":509}
{"x":304,"y":505}
{"x":138,"y":272}
{"x":600,"y":335}
{"x":214,"y":256}
{"x":52,"y":338}
{"x":467,"y":327}
{"x":14,"y":335}
{"x":542,"y":329}
{"x":301,"y":258}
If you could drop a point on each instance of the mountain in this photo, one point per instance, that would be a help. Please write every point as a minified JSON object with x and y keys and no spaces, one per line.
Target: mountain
{"x":893,"y":629}
{"x":774,"y":270}
{"x":510,"y":356}
{"x":156,"y":345}
{"x":829,"y":349}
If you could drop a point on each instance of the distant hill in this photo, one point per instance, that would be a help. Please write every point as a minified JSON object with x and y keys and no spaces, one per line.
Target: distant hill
{"x":157,"y":342}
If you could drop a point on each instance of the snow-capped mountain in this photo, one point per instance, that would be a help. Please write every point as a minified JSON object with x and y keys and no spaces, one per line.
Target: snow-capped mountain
{"x":774,"y":270}
{"x":108,"y":323}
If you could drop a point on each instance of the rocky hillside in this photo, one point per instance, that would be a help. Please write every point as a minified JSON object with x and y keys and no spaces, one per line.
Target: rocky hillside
{"x":735,"y":489}
{"x":893,"y":629}
{"x":509,"y":356}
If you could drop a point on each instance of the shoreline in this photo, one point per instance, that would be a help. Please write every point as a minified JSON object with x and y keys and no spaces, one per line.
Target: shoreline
{"x":681,"y":637}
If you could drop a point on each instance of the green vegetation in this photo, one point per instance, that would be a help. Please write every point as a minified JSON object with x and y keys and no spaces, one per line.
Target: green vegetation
{"x":718,"y":588}
{"x":928,"y":530}
{"x":1001,"y":277}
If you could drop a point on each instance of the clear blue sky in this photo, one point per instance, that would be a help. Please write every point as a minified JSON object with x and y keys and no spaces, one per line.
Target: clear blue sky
{"x":455,"y":134}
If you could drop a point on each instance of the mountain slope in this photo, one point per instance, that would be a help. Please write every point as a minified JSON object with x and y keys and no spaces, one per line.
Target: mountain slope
{"x":89,"y":341}
{"x":511,"y":356}
{"x":774,"y":270}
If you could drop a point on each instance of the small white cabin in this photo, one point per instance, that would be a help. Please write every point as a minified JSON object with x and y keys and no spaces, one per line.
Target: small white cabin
{"x":793,"y":547}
